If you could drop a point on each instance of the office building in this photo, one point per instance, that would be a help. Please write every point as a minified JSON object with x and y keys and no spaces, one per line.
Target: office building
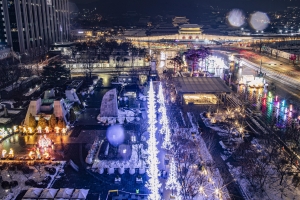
{"x":31,"y":26}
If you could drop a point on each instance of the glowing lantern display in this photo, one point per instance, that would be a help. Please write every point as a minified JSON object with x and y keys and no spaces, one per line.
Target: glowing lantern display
{"x":31,"y":154}
{"x":38,"y":153}
{"x":63,"y":130}
{"x":47,"y":129}
{"x":4,"y":153}
{"x":46,"y":155}
{"x":57,"y":130}
{"x":30,"y":130}
{"x":11,"y":153}
{"x":44,"y":142}
{"x":39,"y":129}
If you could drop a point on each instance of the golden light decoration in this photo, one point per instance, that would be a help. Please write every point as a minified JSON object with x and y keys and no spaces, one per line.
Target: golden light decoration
{"x":64,"y":130}
{"x":44,"y":142}
{"x":11,"y":153}
{"x":46,"y":155}
{"x":15,"y":128}
{"x":31,"y":154}
{"x":39,"y":129}
{"x":57,"y":129}
{"x":24,"y":130}
{"x":29,"y":129}
{"x":47,"y":129}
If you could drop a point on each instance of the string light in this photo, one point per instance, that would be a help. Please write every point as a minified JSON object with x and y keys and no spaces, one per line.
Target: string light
{"x":172,"y":182}
{"x":164,"y":119}
{"x":153,"y":183}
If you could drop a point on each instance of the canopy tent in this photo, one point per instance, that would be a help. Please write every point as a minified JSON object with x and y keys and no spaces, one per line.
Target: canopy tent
{"x":201,"y":85}
{"x":80,"y":194}
{"x":64,"y":193}
{"x":48,"y":193}
{"x":33,"y":193}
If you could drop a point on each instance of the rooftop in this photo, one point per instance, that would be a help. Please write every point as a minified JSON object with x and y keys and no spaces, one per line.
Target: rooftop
{"x":208,"y":85}
{"x":190,"y":26}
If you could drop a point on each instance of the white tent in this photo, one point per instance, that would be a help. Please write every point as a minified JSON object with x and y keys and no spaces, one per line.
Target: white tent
{"x":48,"y":193}
{"x":33,"y":193}
{"x":80,"y":194}
{"x":64,"y":193}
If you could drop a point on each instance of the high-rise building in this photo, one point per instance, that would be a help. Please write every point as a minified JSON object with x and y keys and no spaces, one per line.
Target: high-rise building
{"x":31,"y":26}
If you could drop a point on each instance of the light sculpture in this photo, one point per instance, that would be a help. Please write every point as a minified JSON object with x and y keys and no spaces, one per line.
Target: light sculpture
{"x":4,"y":153}
{"x":56,"y":130}
{"x":47,"y":129}
{"x":153,"y":183}
{"x":39,"y":129}
{"x":44,"y":142}
{"x":172,"y":182}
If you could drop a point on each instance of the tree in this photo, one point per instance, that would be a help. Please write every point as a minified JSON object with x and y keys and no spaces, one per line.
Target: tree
{"x":55,"y":75}
{"x":32,"y":122}
{"x":42,"y":122}
{"x":177,"y":61}
{"x":185,"y":152}
{"x":52,"y":121}
{"x":172,"y":182}
{"x":194,"y":55}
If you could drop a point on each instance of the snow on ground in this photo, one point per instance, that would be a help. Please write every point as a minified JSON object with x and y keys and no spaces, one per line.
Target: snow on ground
{"x":4,"y":120}
{"x":122,"y":114}
{"x":215,"y":180}
{"x":31,"y":91}
{"x":14,"y":112}
{"x":18,"y":175}
{"x":272,"y":188}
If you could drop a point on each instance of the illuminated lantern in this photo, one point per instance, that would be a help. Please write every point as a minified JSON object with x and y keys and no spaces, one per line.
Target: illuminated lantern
{"x":4,"y":153}
{"x":31,"y":155}
{"x":57,"y":130}
{"x":11,"y":153}
{"x":47,"y":129}
{"x":39,"y":129}
{"x":44,"y":142}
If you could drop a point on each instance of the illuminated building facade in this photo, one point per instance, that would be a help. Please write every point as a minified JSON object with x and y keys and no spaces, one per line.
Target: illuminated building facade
{"x":31,"y":26}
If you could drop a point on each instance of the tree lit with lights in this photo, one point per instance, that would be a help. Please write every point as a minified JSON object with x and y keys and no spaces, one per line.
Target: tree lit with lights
{"x":172,"y":182}
{"x":164,"y":119}
{"x":153,"y":183}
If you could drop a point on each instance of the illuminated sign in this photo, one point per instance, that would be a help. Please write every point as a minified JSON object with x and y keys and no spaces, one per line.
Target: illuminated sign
{"x":80,"y":31}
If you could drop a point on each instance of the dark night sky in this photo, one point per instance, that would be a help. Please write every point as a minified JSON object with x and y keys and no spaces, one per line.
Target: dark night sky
{"x":181,"y":7}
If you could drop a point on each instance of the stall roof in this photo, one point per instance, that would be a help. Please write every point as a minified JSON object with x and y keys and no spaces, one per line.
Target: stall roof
{"x":208,"y":85}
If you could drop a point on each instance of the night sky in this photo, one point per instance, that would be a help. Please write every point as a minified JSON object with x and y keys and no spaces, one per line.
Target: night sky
{"x":181,"y":6}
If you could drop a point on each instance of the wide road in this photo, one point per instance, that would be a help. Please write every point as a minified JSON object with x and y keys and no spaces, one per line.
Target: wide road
{"x":277,"y":65}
